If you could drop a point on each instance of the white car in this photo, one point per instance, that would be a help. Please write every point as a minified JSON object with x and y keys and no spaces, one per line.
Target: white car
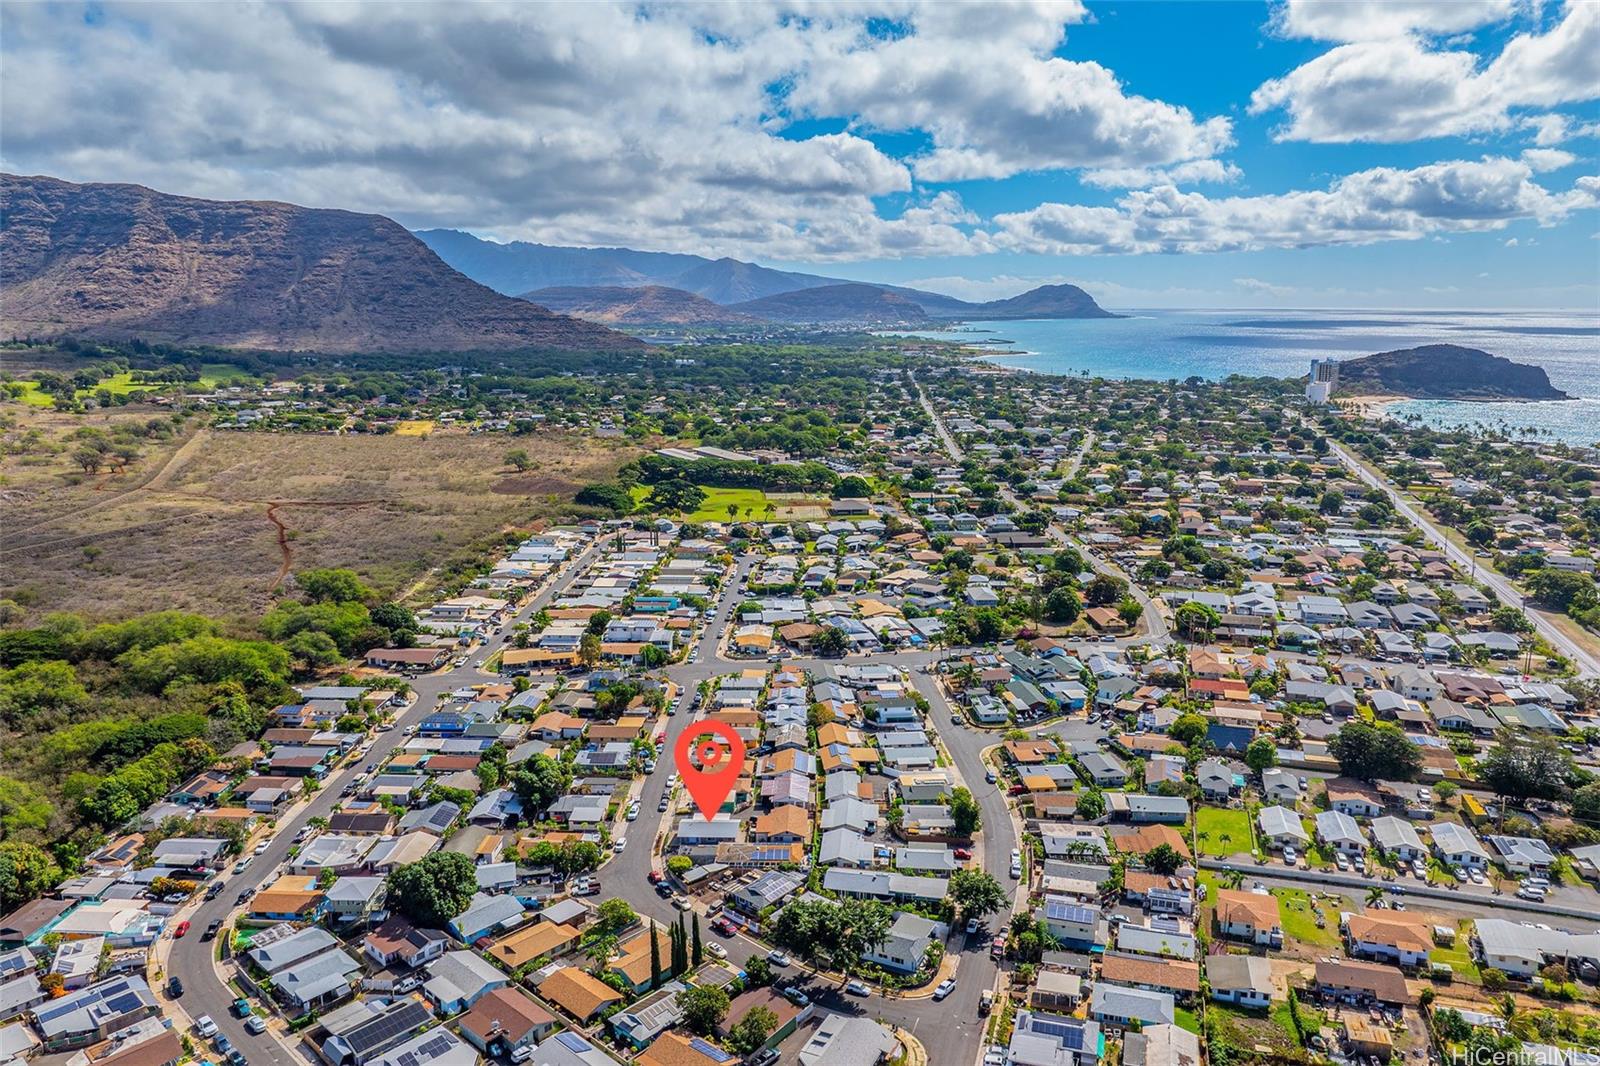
{"x":621,"y":843}
{"x":716,"y":951}
{"x":947,"y":986}
{"x":972,"y":926}
{"x":261,"y":848}
{"x":1290,"y":857}
{"x":994,"y":1057}
{"x":1476,"y":875}
{"x":205,"y":1026}
{"x":777,"y":958}
{"x":1341,"y":860}
{"x":858,"y":987}
{"x":1016,"y":857}
{"x":1016,"y":871}
{"x":256,"y":1024}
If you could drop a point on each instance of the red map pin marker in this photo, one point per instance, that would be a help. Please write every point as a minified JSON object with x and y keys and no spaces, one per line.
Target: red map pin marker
{"x":710,"y":767}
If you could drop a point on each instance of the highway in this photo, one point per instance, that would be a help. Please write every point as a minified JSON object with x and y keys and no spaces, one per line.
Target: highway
{"x":1584,"y":658}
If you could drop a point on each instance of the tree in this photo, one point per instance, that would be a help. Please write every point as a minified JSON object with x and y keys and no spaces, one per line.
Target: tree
{"x":1562,"y":589}
{"x":519,"y":459}
{"x":1189,"y":729}
{"x":697,"y":953}
{"x":434,"y":889}
{"x":26,"y":872}
{"x":1062,"y":606}
{"x":333,"y":586}
{"x":964,"y":811}
{"x":1092,"y":805}
{"x":1196,"y":619}
{"x":655,"y":959}
{"x":1104,"y":590}
{"x":703,"y":1007}
{"x":675,"y":497}
{"x":608,"y":495}
{"x":832,"y":642}
{"x":1261,"y":755}
{"x":1371,"y":752}
{"x":539,"y":782}
{"x":852,"y":487}
{"x":589,"y":649}
{"x":750,"y":1032}
{"x":1524,"y":766}
{"x":1164,"y":859}
{"x":614,"y":915}
{"x":757,"y":971}
{"x":1586,"y":805}
{"x":1511,"y":620}
{"x":976,"y":893}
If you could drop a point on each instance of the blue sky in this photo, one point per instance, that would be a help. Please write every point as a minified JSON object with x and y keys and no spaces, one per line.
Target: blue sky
{"x":1298,"y":153}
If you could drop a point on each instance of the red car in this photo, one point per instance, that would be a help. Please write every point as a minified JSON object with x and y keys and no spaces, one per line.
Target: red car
{"x":963,"y":853}
{"x":722,"y":927}
{"x":183,"y":927}
{"x":1016,"y":790}
{"x":656,"y":877}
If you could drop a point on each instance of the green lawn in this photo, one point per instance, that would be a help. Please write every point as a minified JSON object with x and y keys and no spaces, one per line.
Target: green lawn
{"x":1222,"y":831}
{"x":33,"y":397}
{"x":1300,"y":921}
{"x":1458,"y":956}
{"x":1186,"y":1019}
{"x":213,"y":374}
{"x":751,"y":504}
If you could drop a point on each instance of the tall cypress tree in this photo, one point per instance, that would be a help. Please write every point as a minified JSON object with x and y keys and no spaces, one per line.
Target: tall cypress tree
{"x":699,"y":950}
{"x":683,"y":945}
{"x":655,"y":957}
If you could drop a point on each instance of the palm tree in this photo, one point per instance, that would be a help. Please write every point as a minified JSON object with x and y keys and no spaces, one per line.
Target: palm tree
{"x":733,"y":512}
{"x":1233,"y":878}
{"x":1374,"y":895}
{"x":769,"y":510}
{"x":603,"y":948}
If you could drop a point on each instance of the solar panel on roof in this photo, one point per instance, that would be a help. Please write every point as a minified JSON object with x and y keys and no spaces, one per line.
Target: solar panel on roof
{"x":574,"y":1041}
{"x":710,"y":1051}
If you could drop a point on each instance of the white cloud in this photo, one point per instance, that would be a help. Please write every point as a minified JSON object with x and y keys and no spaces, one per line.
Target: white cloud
{"x":670,"y":126}
{"x":1374,"y":20}
{"x":1552,"y":129}
{"x":1199,"y":171}
{"x":1265,"y":287}
{"x":1401,"y":88}
{"x":1381,"y":204}
{"x":1543,"y":159}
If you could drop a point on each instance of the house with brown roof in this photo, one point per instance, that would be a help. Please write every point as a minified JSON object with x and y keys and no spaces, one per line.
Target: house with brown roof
{"x":788,"y":824}
{"x":679,"y":1049}
{"x":533,"y":944}
{"x":577,"y":993}
{"x":504,"y":1020}
{"x":633,"y":961}
{"x":1248,"y":916}
{"x":1030,"y":752}
{"x":1389,"y":937}
{"x":1147,"y":838}
{"x":1361,"y":983}
{"x":1179,"y":978}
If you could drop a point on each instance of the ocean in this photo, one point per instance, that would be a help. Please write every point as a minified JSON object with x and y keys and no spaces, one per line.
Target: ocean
{"x":1161,"y":345}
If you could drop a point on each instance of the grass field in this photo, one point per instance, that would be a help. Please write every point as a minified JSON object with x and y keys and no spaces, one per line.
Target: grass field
{"x":211,"y":375}
{"x":197,"y":526}
{"x":1222,"y":831}
{"x":1300,"y":922}
{"x":419,"y":428}
{"x":751,"y":505}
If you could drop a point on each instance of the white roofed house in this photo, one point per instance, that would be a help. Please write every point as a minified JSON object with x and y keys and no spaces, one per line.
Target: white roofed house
{"x":458,"y":979}
{"x":1457,"y":846}
{"x":1281,"y":828}
{"x":1340,"y":832}
{"x":1280,"y":786}
{"x":1242,"y":979}
{"x":908,"y":941}
{"x":1396,"y":837}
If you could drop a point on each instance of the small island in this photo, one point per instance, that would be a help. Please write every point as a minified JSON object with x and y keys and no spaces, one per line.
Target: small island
{"x":1444,"y":372}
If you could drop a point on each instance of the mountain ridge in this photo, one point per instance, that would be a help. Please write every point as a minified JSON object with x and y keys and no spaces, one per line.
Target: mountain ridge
{"x":120,"y":260}
{"x":729,"y":282}
{"x":636,"y":305}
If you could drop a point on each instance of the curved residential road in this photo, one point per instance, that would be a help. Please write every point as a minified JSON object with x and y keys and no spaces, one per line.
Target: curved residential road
{"x":1587,"y":662}
{"x":191,"y":958}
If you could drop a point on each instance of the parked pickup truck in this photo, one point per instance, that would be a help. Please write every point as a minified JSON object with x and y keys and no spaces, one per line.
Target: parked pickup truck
{"x":241,"y":1007}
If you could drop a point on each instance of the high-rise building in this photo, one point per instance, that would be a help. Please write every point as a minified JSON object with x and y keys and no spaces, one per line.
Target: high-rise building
{"x":1324,"y":377}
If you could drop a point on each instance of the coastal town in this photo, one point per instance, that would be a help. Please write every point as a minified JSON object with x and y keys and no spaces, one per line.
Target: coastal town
{"x":1085,"y":722}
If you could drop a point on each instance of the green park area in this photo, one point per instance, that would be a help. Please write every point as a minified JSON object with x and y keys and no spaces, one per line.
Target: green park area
{"x":124,"y":384}
{"x":749,"y":505}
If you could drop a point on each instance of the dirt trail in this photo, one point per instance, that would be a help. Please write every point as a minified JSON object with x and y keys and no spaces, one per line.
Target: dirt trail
{"x":283,"y":546}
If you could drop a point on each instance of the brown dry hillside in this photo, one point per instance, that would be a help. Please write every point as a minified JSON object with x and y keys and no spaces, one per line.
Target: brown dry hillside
{"x":123,"y":260}
{"x":644,"y":305}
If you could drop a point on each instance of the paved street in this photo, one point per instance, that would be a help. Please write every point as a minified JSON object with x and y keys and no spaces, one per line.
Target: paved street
{"x":1587,"y":662}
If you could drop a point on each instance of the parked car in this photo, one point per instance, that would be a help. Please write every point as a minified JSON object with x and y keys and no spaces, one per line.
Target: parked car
{"x":205,"y":1026}
{"x":991,"y":777}
{"x":765,"y":1057}
{"x":777,"y":958}
{"x":182,"y":928}
{"x":214,"y":889}
{"x":212,"y":930}
{"x":655,"y":877}
{"x":972,"y":926}
{"x":858,"y":987}
{"x":1016,"y":871}
{"x":723,"y":927}
{"x":986,"y":1001}
{"x":261,"y":848}
{"x":239,"y":866}
{"x":256,"y":1024}
{"x":964,"y":854}
{"x":241,"y":1008}
{"x":236,"y":1058}
{"x":174,"y":986}
{"x":947,"y":986}
{"x":716,"y":951}
{"x":796,"y":996}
